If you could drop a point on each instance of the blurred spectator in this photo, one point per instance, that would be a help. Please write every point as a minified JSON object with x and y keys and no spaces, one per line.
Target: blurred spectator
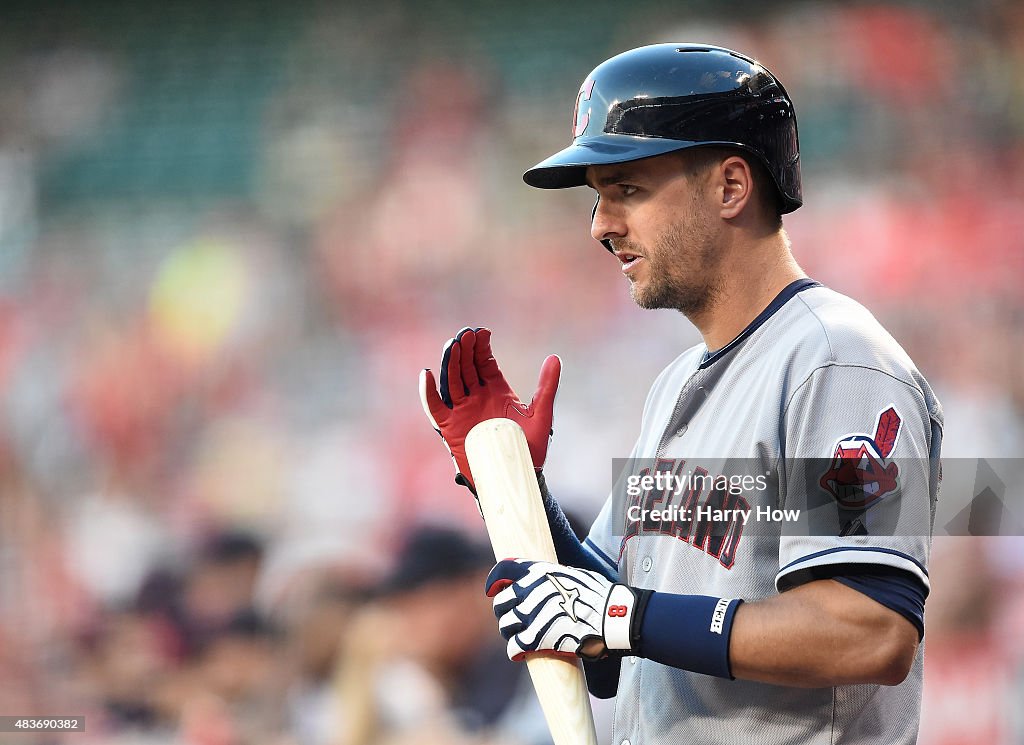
{"x":214,"y":594}
{"x":317,"y":620}
{"x":422,"y":663}
{"x":239,"y":667}
{"x":129,"y":657}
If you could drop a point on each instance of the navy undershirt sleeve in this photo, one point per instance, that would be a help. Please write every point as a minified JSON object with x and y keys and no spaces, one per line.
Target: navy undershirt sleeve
{"x":603,"y":676}
{"x":894,"y":588}
{"x":568,"y":548}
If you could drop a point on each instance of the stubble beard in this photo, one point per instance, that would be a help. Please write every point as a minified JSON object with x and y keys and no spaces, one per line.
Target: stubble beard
{"x":682,"y":271}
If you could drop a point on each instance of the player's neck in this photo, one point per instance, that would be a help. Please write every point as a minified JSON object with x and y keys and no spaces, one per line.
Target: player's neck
{"x":752,"y":275}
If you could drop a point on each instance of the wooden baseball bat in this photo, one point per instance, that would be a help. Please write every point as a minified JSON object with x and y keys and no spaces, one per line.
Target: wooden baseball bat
{"x":518,"y":528}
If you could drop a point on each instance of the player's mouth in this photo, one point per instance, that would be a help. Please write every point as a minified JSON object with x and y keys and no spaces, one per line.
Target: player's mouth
{"x":629,"y":261}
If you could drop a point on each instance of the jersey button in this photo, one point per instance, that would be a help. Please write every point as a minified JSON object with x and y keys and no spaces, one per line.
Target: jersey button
{"x":681,"y":431}
{"x":648,"y":563}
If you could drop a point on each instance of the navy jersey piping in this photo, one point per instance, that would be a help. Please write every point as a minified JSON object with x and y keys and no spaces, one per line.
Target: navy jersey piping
{"x":788,"y":293}
{"x":877,"y":549}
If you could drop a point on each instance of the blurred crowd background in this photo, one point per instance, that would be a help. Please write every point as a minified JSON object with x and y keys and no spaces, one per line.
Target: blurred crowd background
{"x":232,"y":233}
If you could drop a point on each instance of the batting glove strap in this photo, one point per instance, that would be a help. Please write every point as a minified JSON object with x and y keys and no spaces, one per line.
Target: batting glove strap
{"x":636,"y":620}
{"x":618,"y":618}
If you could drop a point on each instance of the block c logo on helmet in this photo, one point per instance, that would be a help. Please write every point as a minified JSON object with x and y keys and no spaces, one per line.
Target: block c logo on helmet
{"x":579,"y":125}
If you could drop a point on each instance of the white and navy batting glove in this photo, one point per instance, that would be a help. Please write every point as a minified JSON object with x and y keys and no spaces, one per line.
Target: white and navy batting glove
{"x":549,"y":607}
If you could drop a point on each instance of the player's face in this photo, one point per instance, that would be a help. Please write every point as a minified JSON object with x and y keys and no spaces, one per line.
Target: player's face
{"x":660,"y":220}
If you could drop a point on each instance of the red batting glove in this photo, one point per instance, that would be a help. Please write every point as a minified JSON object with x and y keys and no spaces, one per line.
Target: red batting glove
{"x":473,"y":390}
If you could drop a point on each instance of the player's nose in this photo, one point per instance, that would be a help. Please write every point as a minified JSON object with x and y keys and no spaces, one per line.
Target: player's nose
{"x":606,"y":223}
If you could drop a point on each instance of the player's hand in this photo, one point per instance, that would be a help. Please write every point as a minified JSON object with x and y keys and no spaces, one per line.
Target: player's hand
{"x":473,"y":390}
{"x":549,"y":607}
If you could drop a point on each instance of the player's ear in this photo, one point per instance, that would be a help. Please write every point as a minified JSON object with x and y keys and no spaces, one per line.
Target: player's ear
{"x":737,"y":184}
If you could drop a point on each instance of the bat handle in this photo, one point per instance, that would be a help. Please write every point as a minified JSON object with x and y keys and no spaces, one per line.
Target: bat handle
{"x":517,"y":524}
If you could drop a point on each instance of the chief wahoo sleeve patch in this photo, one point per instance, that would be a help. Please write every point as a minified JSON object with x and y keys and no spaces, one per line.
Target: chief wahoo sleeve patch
{"x":860,"y":472}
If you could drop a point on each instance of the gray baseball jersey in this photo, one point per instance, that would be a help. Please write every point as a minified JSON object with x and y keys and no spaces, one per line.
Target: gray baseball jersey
{"x":813,"y":377}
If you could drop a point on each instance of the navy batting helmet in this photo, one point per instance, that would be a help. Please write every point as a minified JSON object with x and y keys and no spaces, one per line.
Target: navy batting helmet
{"x":666,"y":97}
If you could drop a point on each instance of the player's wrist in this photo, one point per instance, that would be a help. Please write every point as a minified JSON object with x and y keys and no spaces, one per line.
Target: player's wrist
{"x":687,"y":631}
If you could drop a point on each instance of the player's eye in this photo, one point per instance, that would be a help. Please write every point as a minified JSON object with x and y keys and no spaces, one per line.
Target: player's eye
{"x":628,"y":190}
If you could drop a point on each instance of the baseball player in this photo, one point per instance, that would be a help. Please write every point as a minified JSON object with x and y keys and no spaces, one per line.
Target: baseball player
{"x":707,"y":625}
